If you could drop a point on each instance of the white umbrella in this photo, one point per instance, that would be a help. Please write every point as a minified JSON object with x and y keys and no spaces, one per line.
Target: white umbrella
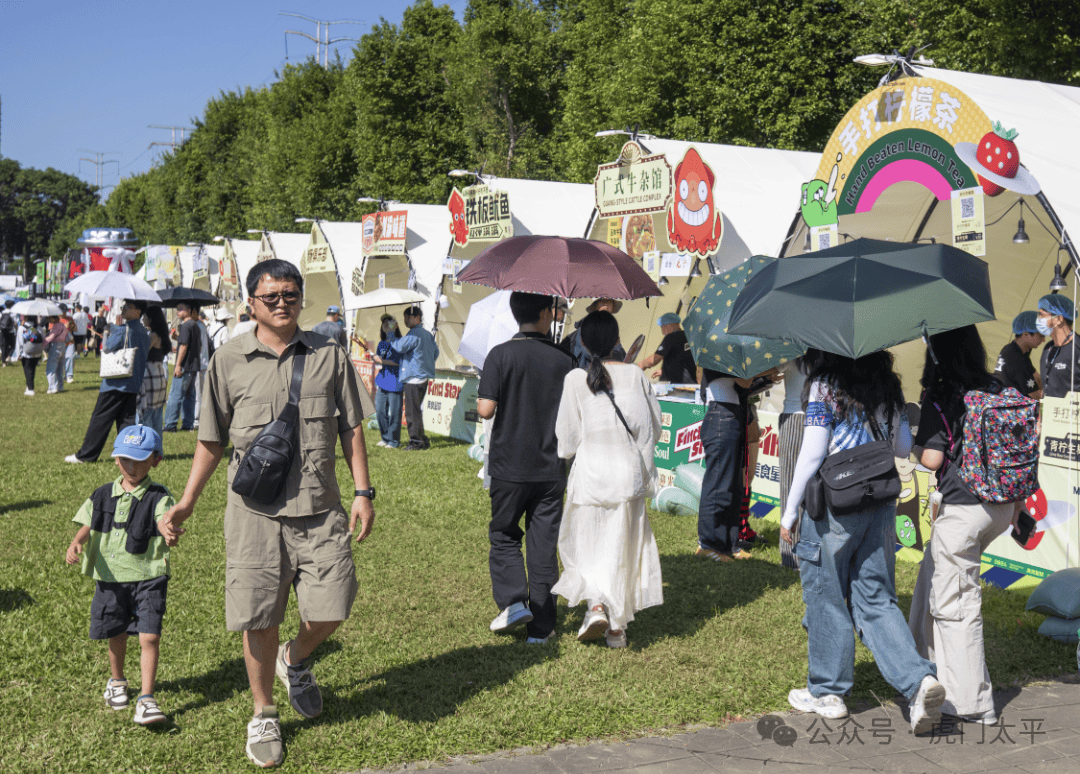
{"x":386,"y":297}
{"x":37,"y":307}
{"x":490,"y":322}
{"x":112,"y":284}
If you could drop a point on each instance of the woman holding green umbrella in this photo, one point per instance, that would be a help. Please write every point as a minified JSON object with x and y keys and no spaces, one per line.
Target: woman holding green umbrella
{"x":845,"y":561}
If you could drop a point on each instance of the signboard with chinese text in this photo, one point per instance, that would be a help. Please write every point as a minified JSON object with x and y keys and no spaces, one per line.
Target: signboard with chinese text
{"x":480,"y":213}
{"x":384,"y":233}
{"x":633,"y":184}
{"x":968,"y":220}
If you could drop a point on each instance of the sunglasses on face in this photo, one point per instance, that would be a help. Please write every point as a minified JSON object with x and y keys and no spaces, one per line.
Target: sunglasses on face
{"x":290,"y":297}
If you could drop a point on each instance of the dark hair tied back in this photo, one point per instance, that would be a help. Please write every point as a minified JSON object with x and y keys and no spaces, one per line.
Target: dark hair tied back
{"x":599,"y":333}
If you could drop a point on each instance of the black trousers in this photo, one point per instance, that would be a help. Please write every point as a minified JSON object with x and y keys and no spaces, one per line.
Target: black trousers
{"x":541,"y":502}
{"x":7,"y":344}
{"x":112,"y":407}
{"x":413,"y":396}
{"x":29,"y":367}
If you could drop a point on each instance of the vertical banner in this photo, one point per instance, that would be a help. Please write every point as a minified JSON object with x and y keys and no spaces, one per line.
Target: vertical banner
{"x":968,"y":220}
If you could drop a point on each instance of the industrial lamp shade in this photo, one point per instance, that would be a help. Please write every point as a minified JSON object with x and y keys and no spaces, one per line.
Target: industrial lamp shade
{"x":1020,"y":237}
{"x":1058,"y":282}
{"x":696,"y":271}
{"x":663,"y":281}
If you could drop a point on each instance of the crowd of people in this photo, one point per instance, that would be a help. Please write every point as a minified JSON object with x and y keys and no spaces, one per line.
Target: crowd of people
{"x":570,"y":466}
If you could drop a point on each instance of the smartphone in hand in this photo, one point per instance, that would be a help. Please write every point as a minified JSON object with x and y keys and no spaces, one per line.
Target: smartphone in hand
{"x":1024,"y":529}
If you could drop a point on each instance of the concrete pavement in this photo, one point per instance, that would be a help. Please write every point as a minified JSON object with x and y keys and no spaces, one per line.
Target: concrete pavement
{"x":1038,"y":731}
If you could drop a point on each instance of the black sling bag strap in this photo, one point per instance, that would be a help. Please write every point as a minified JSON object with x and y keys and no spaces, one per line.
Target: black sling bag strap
{"x":619,"y":413}
{"x":262,"y":472}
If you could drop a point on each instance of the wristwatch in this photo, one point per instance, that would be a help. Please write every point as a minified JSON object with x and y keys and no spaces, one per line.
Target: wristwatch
{"x":368,"y":493}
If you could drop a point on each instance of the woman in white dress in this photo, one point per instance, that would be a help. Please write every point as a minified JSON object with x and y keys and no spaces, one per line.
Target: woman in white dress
{"x":609,"y":421}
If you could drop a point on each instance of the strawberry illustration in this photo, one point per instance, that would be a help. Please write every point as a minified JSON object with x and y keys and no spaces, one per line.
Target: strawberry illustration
{"x":997,"y":152}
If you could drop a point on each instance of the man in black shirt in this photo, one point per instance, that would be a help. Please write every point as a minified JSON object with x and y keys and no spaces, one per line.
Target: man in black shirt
{"x":523,"y":378}
{"x":185,"y":373}
{"x":1014,"y":368}
{"x":1060,"y":365}
{"x":678,"y":363}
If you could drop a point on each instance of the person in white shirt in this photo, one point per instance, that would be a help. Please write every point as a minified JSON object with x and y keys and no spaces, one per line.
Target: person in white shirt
{"x":219,"y":330}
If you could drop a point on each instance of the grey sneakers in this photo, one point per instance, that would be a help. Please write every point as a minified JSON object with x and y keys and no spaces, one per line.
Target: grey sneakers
{"x":304,"y":694}
{"x":264,"y":747}
{"x":116,"y":694}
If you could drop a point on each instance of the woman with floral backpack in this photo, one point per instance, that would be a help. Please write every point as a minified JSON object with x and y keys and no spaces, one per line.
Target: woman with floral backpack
{"x":946,"y":608}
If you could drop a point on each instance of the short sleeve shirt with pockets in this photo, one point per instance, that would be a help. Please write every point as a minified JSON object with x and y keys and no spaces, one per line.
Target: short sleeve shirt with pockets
{"x":247,"y":385}
{"x":189,"y":334}
{"x":524,"y":376}
{"x":1014,"y":369}
{"x":678,"y":366}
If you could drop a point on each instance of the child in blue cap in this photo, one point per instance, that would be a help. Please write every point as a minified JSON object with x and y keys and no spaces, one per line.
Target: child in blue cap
{"x":123,"y":550}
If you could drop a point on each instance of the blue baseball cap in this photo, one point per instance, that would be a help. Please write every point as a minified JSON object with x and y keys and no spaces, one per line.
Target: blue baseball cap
{"x":1025,"y":323}
{"x":137,"y":442}
{"x":333,"y":310}
{"x":669,"y":319}
{"x":1060,"y":306}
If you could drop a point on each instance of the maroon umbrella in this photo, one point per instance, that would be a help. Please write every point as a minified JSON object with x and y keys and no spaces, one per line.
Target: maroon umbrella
{"x":557,"y":266}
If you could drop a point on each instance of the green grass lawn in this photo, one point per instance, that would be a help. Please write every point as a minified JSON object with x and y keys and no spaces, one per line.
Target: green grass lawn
{"x":415,"y":673}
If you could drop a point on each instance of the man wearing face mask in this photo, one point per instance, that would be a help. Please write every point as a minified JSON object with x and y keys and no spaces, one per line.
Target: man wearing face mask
{"x":1060,"y":367}
{"x":1014,"y":367}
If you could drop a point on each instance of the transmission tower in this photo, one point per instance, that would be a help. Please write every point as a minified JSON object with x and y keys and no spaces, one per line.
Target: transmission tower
{"x":174,"y":129}
{"x":99,"y":161}
{"x":321,"y":40}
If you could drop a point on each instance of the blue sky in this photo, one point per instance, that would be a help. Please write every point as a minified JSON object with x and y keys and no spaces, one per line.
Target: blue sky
{"x":94,"y":74}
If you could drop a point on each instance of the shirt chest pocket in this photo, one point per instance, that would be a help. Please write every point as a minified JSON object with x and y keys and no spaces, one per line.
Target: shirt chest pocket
{"x":318,"y":423}
{"x":248,"y":421}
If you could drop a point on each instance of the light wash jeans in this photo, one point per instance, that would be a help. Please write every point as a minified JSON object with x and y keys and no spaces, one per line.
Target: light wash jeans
{"x":54,"y":367}
{"x":181,"y":394}
{"x":69,"y":354}
{"x":151,"y":418}
{"x":848,"y":559}
{"x":388,"y":412}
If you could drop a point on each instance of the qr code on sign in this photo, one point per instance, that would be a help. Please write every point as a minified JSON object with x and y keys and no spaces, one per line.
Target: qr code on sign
{"x":967,"y":207}
{"x":823,"y":241}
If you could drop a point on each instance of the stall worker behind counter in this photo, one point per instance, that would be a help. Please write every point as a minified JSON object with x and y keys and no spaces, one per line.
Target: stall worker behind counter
{"x":1014,"y":368}
{"x":1059,"y":367}
{"x":678,"y":363}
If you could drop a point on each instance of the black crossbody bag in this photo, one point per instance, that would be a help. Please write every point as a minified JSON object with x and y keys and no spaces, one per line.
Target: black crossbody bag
{"x":854,"y":479}
{"x":262,"y":472}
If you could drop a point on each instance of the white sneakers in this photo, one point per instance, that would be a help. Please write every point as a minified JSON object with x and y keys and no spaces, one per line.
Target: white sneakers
{"x":73,"y":459}
{"x":615,"y":640}
{"x":925,"y":709}
{"x":594,"y":626}
{"x":147,"y":711}
{"x":515,"y":615}
{"x":28,"y":391}
{"x":831,"y":706}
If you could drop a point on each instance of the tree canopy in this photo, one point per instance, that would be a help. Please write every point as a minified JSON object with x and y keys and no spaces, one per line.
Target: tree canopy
{"x":519,"y":88}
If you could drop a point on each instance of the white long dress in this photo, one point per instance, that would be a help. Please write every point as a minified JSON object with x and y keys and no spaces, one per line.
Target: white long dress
{"x":606,"y":544}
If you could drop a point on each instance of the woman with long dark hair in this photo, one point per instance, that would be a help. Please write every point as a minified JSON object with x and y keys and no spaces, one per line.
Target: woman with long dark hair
{"x":845,"y":561}
{"x":609,"y":421}
{"x":152,"y":392}
{"x":946,"y":606}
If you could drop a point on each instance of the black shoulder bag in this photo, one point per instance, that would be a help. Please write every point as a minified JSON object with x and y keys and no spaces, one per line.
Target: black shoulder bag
{"x":855,"y":479}
{"x":262,"y":472}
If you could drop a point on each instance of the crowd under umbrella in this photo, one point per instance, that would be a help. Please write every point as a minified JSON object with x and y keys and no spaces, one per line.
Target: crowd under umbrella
{"x":112,"y":284}
{"x":706,"y":327}
{"x":864,"y":296}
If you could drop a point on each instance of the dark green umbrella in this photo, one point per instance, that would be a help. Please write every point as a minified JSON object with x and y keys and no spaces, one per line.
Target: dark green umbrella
{"x":864,"y":296}
{"x":706,"y":328}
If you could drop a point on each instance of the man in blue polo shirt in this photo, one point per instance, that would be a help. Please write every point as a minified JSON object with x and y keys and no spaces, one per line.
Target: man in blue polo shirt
{"x":418,"y":352}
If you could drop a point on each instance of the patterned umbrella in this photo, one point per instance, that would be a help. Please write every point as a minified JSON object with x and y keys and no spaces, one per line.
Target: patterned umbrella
{"x":706,"y":328}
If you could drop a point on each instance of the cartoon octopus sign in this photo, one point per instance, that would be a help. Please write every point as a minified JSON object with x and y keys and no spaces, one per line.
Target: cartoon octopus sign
{"x":458,"y":227}
{"x":694,"y":225}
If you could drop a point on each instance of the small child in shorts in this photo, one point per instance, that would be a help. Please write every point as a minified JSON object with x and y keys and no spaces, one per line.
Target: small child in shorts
{"x":123,"y":550}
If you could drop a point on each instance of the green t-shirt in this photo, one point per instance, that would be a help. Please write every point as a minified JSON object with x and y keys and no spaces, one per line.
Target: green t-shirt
{"x":105,"y":556}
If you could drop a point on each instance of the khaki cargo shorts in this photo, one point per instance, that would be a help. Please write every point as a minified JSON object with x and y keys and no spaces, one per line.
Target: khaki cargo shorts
{"x":266,"y":555}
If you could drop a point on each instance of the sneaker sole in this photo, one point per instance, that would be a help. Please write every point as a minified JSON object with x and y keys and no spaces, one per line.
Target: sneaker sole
{"x":150,"y":721}
{"x":524,"y":618}
{"x":596,"y":630}
{"x":932,"y":701}
{"x":257,"y":762}
{"x":837,"y":713}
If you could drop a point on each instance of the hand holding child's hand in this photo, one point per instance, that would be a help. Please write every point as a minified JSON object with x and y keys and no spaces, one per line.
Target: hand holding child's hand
{"x":73,"y":553}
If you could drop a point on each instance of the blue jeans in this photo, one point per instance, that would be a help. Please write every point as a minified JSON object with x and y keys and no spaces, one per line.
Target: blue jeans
{"x":151,"y":418}
{"x":388,"y":412}
{"x":182,"y":390}
{"x":69,"y":353}
{"x":54,"y":367}
{"x":723,"y":434}
{"x":849,"y":559}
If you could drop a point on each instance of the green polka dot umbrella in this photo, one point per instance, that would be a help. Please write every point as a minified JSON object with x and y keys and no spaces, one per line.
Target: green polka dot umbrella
{"x":706,"y":328}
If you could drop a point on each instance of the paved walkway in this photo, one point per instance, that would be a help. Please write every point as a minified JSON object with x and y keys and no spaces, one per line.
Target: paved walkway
{"x":1038,"y":731}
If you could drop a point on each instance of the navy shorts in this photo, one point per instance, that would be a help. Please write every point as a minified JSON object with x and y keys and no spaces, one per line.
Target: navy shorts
{"x":136,"y":608}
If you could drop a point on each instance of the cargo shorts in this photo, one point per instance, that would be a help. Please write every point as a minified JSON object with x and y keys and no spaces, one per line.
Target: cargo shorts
{"x":265,"y":555}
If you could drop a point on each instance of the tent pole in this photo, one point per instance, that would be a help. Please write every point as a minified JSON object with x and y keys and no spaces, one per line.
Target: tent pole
{"x":1067,"y":243}
{"x":926,"y":218}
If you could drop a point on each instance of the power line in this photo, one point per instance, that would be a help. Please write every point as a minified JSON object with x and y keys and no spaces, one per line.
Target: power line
{"x":174,"y":129}
{"x":322,"y":39}
{"x":98,"y":161}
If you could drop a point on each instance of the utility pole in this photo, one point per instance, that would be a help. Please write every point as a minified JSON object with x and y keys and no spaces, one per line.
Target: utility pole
{"x":174,"y":129}
{"x":99,"y":161}
{"x":322,"y":39}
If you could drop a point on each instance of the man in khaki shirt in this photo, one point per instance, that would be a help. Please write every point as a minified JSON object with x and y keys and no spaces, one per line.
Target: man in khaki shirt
{"x":300,"y":540}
